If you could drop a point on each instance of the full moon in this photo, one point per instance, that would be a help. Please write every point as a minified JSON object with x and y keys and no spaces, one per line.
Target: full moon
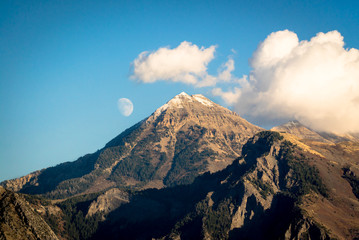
{"x":125,"y":106}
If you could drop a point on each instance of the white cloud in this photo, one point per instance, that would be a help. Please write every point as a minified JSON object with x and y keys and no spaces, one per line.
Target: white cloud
{"x":315,"y":82}
{"x":227,"y":69}
{"x":186,"y":63}
{"x":229,"y":97}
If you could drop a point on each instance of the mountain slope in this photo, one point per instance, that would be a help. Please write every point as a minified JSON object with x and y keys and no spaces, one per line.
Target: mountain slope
{"x":275,"y":187}
{"x":338,"y":163}
{"x":19,"y":221}
{"x":186,"y":137}
{"x":340,"y":151}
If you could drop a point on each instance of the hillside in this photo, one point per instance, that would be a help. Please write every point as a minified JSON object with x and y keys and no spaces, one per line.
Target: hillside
{"x":184,"y":138}
{"x":274,"y":191}
{"x":19,"y":221}
{"x":338,"y":162}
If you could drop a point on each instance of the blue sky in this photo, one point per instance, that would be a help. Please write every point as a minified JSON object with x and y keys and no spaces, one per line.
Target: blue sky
{"x":64,"y":64}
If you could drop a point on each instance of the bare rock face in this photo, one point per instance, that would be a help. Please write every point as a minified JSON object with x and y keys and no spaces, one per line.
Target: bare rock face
{"x":184,"y":138}
{"x":18,"y":183}
{"x":108,"y":202}
{"x":19,"y":221}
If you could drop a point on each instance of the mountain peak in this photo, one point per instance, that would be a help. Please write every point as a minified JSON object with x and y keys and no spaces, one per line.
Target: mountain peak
{"x":182,"y":101}
{"x":299,"y":130}
{"x":183,"y":94}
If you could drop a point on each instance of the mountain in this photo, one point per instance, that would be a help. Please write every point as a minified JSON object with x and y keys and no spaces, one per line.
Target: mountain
{"x":305,"y":133}
{"x":339,"y":161}
{"x":195,"y":170}
{"x":275,"y":190}
{"x":184,"y":138}
{"x":340,"y":150}
{"x":19,"y":221}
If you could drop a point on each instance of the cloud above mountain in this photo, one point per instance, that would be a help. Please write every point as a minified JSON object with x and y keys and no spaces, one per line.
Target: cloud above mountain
{"x":315,"y":82}
{"x":186,"y":63}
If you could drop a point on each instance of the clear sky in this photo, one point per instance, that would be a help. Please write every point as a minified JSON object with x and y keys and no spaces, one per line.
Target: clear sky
{"x":65,"y":64}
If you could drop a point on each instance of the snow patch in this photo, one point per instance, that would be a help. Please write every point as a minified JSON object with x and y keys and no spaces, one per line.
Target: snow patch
{"x":202,"y":99}
{"x":178,"y":100}
{"x":160,"y":110}
{"x":183,"y":94}
{"x":174,"y":102}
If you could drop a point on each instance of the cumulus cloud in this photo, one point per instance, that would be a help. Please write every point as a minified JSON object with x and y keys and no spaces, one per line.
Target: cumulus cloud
{"x":226,"y":73}
{"x":315,"y":82}
{"x":230,"y":97}
{"x":186,"y":63}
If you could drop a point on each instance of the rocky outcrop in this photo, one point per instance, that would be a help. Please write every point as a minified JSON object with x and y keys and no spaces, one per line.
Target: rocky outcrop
{"x":19,"y":221}
{"x":18,"y":183}
{"x":108,"y":201}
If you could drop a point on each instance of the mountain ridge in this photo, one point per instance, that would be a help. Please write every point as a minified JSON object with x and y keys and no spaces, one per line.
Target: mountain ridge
{"x":19,"y":220}
{"x":301,"y":131}
{"x":185,"y":137}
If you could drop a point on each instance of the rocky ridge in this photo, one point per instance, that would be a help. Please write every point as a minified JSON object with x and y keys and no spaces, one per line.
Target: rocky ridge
{"x":305,"y":133}
{"x":19,"y":221}
{"x":335,"y":157}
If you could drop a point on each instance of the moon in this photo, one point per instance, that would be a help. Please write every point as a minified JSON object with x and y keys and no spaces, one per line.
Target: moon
{"x":125,"y":106}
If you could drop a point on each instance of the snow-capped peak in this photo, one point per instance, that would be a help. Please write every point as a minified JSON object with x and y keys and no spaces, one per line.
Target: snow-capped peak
{"x":174,"y":102}
{"x":183,"y":94}
{"x":179,"y":100}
